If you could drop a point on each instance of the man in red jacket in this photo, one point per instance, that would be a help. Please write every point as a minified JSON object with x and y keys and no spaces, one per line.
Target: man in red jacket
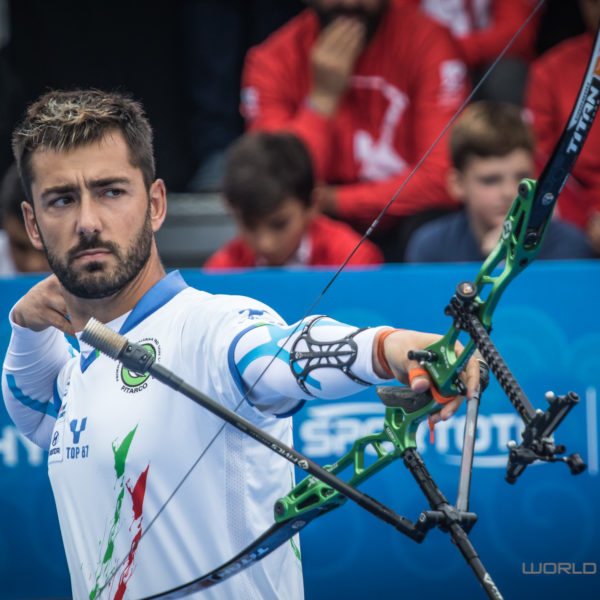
{"x":482,"y":29}
{"x":368,"y":85}
{"x":269,"y":184}
{"x":552,"y":88}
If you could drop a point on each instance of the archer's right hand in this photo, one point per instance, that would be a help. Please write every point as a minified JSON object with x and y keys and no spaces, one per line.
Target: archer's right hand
{"x":43,"y":306}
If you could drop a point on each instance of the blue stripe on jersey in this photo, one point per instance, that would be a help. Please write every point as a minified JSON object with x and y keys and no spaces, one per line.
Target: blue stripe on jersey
{"x":292,"y":412}
{"x":28,"y":401}
{"x":233,"y":368}
{"x":158,"y":295}
{"x":272,"y":348}
{"x":269,"y":348}
{"x":56,"y":396}
{"x":73,"y":348}
{"x":86,"y":361}
{"x":235,"y":372}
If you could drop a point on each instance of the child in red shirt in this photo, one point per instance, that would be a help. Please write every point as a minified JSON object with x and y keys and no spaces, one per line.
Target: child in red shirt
{"x":269,"y":184}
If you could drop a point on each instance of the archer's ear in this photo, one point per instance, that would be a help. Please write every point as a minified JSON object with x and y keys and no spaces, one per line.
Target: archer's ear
{"x":31,"y":226}
{"x":455,"y":184}
{"x":158,"y":204}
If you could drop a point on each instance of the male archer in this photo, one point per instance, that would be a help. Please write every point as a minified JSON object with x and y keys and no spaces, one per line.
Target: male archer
{"x":119,"y":443}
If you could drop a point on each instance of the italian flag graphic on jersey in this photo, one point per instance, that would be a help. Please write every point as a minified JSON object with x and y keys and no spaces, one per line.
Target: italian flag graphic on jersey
{"x":109,"y":565}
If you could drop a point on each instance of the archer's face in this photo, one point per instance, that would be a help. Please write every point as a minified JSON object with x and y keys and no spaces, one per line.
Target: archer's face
{"x":92,"y":216}
{"x":488,"y":186}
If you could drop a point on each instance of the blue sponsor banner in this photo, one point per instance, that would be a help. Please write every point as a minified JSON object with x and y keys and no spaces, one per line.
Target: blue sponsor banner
{"x":538,"y":538}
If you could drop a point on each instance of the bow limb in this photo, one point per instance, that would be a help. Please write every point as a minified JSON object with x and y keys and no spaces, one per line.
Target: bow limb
{"x":522,"y":234}
{"x":270,"y":540}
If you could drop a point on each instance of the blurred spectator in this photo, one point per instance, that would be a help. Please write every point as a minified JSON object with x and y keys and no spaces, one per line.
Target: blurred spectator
{"x":4,"y":23}
{"x":11,"y":96}
{"x":269,"y":186}
{"x":492,"y":150}
{"x":482,"y":30}
{"x":553,"y":85}
{"x":16,"y":252}
{"x":559,"y":20}
{"x":367,"y":85}
{"x":217,"y":34}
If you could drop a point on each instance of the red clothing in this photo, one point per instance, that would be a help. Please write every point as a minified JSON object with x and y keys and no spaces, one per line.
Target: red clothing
{"x":552,"y":88}
{"x":482,"y":29}
{"x":406,"y":86}
{"x":330,"y":245}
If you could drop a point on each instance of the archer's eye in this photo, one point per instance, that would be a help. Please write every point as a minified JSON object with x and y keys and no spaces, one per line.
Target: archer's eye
{"x":113,"y":192}
{"x":60,"y":201}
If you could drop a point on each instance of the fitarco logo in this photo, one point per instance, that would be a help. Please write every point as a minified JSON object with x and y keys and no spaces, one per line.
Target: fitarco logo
{"x":559,"y":568}
{"x":132,"y":381}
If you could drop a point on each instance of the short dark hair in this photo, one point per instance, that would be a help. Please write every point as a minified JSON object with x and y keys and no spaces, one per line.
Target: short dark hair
{"x":486,"y":129}
{"x":11,"y":196}
{"x":262,"y":170}
{"x":63,"y":120}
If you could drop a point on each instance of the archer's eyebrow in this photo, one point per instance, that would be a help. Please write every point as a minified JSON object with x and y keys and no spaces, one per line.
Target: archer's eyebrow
{"x":94,"y":184}
{"x":59,"y":189}
{"x":108,"y":181}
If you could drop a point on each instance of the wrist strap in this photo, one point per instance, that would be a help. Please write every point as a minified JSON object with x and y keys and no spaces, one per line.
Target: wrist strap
{"x":385,"y":365}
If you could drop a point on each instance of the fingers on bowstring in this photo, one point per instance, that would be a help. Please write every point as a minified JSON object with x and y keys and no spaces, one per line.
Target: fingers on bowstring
{"x":54,"y":310}
{"x":62,"y":323}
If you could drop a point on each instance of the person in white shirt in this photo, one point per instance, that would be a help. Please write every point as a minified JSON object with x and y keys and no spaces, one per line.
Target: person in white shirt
{"x":120,"y":443}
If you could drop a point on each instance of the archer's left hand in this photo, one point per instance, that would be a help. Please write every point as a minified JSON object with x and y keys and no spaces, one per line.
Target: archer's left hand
{"x":396,"y":348}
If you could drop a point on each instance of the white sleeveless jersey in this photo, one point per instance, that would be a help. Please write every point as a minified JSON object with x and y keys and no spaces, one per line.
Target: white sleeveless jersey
{"x":123,"y":441}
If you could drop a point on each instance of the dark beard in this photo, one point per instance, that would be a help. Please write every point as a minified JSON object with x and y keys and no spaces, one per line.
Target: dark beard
{"x":370,"y":19}
{"x":92,"y":283}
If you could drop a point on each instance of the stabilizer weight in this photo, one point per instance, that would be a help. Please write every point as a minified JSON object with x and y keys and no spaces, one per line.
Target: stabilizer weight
{"x":538,"y":443}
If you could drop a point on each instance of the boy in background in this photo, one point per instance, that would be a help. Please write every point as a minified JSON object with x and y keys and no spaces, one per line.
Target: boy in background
{"x":492,"y":149}
{"x":269,"y":187}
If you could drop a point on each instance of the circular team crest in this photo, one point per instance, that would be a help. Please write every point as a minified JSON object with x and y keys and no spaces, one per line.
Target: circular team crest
{"x":131,"y":380}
